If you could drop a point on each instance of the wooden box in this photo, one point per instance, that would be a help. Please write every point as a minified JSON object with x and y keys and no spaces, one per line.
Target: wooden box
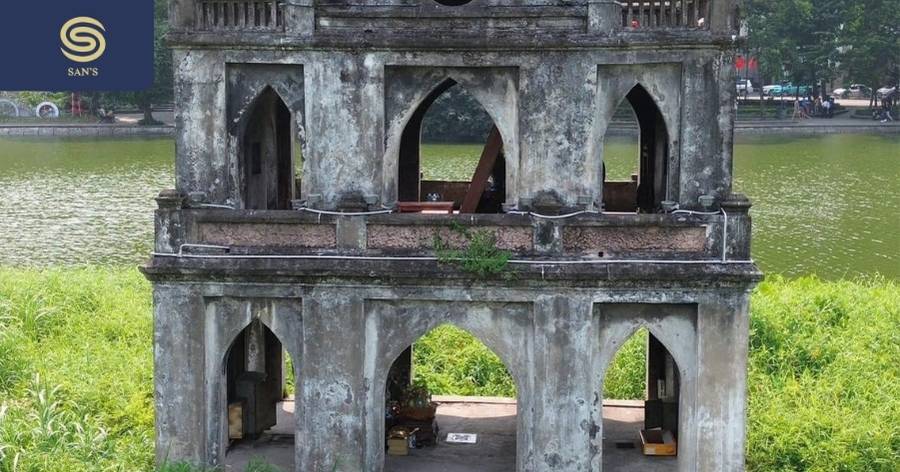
{"x":658,"y":442}
{"x":236,"y":420}
{"x":398,"y":442}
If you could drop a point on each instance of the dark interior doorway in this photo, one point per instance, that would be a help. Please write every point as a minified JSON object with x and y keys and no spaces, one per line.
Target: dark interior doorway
{"x":267,"y":154}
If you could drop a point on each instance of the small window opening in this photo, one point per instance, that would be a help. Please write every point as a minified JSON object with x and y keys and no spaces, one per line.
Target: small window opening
{"x":453,"y":3}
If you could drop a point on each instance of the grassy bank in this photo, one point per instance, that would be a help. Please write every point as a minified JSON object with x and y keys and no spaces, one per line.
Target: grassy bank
{"x":76,"y":366}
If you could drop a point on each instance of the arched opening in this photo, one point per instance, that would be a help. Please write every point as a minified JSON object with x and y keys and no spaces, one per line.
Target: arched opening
{"x":267,"y":154}
{"x":259,"y":403}
{"x":641,"y":395}
{"x":636,"y":184}
{"x":451,"y":156}
{"x":449,"y":383}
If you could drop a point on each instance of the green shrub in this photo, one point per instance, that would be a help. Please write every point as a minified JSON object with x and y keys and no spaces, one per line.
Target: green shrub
{"x":480,"y":257}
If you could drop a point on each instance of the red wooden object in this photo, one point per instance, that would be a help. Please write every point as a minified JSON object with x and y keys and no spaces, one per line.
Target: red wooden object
{"x":420,"y":207}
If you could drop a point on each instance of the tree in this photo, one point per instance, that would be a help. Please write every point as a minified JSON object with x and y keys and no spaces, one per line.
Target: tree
{"x":456,"y":117}
{"x":819,"y":40}
{"x":773,"y":37}
{"x":162,"y":90}
{"x":796,"y":40}
{"x":871,"y":53}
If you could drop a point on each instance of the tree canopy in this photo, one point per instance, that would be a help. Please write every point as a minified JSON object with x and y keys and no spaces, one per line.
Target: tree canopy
{"x":810,"y":40}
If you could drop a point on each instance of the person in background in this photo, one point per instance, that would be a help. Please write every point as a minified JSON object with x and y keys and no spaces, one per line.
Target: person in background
{"x":807,"y":106}
{"x":887,"y":105}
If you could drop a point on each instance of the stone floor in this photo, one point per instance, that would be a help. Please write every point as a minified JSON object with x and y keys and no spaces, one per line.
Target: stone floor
{"x":493,"y":420}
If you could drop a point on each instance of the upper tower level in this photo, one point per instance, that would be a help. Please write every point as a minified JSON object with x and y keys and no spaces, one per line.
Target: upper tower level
{"x":448,"y":23}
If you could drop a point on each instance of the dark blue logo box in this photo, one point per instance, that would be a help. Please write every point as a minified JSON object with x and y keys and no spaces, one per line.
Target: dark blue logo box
{"x":80,"y":45}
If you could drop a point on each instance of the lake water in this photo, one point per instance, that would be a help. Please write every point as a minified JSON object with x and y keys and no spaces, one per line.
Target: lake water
{"x":825,"y":205}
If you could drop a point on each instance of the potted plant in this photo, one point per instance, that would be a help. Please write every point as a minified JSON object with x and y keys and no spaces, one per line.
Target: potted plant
{"x":416,"y":403}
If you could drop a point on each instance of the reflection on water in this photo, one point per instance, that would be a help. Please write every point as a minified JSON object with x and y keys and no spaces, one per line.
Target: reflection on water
{"x":825,"y":205}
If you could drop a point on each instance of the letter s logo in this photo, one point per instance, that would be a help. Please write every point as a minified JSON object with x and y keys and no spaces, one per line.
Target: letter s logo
{"x":82,"y":39}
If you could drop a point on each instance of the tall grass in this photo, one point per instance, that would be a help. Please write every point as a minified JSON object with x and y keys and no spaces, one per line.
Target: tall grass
{"x":825,"y":376}
{"x":76,"y":373}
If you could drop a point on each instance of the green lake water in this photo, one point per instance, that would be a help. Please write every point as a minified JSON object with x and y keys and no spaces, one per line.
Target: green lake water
{"x":824,"y":205}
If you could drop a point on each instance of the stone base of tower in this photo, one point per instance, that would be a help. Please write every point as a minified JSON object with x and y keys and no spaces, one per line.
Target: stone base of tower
{"x":556,"y":332}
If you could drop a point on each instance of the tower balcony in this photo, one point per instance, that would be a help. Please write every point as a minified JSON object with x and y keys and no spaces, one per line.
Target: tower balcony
{"x":586,"y":246}
{"x":453,"y":23}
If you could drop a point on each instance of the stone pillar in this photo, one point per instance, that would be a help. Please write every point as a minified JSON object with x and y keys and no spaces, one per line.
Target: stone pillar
{"x":201,"y":143}
{"x":168,"y":222}
{"x":563,"y":384}
{"x":604,"y":17}
{"x":179,"y":387}
{"x":737,"y":207}
{"x":351,"y":232}
{"x":300,"y":17}
{"x":723,"y":17}
{"x":181,"y":14}
{"x":331,"y":434}
{"x":346,"y":117}
{"x":723,"y":67}
{"x":721,"y":398}
{"x":700,"y":169}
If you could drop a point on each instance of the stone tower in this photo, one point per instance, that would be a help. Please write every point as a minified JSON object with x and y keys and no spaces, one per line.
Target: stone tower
{"x":301,"y":223}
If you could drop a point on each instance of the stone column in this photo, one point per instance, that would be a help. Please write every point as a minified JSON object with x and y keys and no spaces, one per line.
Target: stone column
{"x":202,"y":162}
{"x":300,"y":17}
{"x":331,"y":435}
{"x":562,"y":384}
{"x":179,"y":361}
{"x":723,"y":17}
{"x":168,"y":221}
{"x":721,"y":399}
{"x":604,"y":17}
{"x":700,"y":170}
{"x":181,"y":14}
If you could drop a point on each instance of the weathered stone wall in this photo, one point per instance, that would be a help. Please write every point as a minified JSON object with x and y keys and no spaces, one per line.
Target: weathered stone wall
{"x":556,"y":342}
{"x":347,"y":294}
{"x":552,"y":110}
{"x":678,"y":237}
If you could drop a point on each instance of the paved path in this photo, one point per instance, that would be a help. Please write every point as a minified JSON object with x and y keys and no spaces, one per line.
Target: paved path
{"x":493,"y":420}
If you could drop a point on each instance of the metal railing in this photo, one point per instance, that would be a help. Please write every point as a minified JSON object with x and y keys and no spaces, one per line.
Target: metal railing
{"x":231,"y":15}
{"x":665,"y":14}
